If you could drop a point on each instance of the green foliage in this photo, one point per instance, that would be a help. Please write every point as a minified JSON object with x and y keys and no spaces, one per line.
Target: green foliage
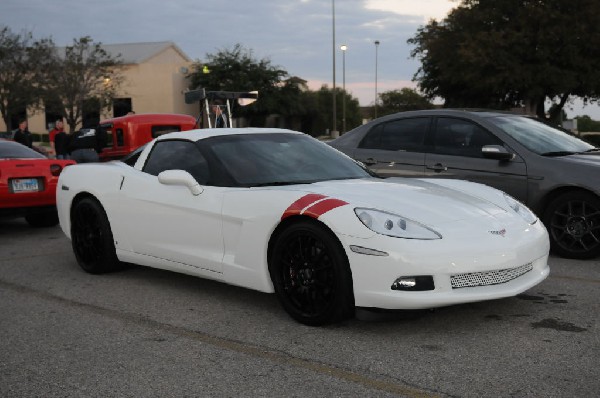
{"x":236,"y":69}
{"x":33,"y":73}
{"x":586,"y":123}
{"x":23,"y":62}
{"x":320,"y":122}
{"x":85,"y":72}
{"x":402,"y":100}
{"x":509,"y":53}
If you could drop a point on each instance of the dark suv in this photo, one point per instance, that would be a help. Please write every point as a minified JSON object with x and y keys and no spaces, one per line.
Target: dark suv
{"x":555,"y":174}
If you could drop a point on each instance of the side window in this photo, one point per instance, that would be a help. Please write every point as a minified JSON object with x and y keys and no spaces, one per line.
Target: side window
{"x":177,"y":155}
{"x":108,"y":130}
{"x":120,"y":141}
{"x":461,"y":137}
{"x":132,"y":158}
{"x":373,"y":138}
{"x":397,"y":135}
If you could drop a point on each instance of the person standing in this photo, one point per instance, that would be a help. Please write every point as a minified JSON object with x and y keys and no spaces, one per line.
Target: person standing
{"x":59,"y":140}
{"x":220,"y":117}
{"x":22,"y":134}
{"x":84,"y":146}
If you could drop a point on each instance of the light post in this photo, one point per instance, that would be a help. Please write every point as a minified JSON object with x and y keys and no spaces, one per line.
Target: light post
{"x":334,"y":132}
{"x":376,"y":47}
{"x":343,"y":47}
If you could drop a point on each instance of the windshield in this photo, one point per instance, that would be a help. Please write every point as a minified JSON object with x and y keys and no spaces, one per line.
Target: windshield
{"x":280,"y":159}
{"x":539,"y":137}
{"x":14,"y":150}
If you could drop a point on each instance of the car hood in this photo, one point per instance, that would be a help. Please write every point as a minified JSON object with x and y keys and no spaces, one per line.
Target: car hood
{"x":422,"y":200}
{"x":592,"y":159}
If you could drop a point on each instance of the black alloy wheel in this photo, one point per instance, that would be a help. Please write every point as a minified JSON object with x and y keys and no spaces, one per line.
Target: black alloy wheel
{"x":91,"y":237}
{"x":311,"y":275}
{"x":573,"y":222}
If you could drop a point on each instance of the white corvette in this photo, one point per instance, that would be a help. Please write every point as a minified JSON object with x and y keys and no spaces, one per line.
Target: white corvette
{"x":278,"y":211}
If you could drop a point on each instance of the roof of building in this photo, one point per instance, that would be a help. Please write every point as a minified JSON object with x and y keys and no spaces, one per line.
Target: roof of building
{"x":137,"y":53}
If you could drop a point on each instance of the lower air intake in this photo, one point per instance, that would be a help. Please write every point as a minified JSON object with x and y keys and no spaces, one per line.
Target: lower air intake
{"x":488,"y":277}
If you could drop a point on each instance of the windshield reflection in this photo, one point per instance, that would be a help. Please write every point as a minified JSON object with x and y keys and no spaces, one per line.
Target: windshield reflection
{"x":539,"y":137}
{"x":280,"y":159}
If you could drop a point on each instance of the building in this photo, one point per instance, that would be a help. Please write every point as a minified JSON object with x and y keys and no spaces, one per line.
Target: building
{"x":154,"y":82}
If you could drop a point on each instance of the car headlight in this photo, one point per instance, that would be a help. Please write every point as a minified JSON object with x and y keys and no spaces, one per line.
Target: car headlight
{"x":394,"y":225}
{"x":521,"y":209}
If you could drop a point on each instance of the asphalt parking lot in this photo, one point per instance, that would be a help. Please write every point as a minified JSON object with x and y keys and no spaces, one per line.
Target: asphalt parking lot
{"x":148,"y":333}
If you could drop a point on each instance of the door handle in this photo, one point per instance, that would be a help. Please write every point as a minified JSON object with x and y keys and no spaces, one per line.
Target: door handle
{"x":438,"y":168}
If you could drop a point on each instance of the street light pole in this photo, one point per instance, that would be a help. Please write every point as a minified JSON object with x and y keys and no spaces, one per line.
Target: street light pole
{"x":376,"y":47}
{"x":334,"y":131}
{"x":343,"y":47}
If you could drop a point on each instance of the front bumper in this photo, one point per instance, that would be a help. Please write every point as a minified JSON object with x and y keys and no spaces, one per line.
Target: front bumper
{"x":373,"y":275}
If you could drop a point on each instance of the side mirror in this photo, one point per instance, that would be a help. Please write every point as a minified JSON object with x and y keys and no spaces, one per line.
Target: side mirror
{"x":181,"y":178}
{"x":497,"y":152}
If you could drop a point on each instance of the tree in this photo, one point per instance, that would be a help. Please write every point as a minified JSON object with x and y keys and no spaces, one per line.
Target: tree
{"x":236,"y":69}
{"x":586,"y":123}
{"x":321,"y":121}
{"x":510,"y":53}
{"x":22,"y":62}
{"x":402,"y":100}
{"x":84,"y":73}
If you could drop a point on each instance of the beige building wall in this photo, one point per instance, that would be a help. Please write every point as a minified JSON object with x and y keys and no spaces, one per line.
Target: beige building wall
{"x":155,"y":85}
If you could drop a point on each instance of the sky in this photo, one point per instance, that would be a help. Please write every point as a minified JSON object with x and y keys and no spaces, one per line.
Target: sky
{"x":296,"y":35}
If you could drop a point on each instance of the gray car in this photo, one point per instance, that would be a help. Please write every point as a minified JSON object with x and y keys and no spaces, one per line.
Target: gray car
{"x":555,"y":174}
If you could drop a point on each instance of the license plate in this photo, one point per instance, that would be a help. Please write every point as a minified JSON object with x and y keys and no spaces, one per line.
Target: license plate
{"x":25,"y":185}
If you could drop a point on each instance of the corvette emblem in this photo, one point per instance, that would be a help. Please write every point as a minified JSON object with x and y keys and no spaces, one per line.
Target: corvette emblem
{"x":501,"y":232}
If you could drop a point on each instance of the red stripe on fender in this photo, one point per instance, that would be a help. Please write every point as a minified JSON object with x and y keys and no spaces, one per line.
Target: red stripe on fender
{"x":296,"y":207}
{"x":318,"y":209}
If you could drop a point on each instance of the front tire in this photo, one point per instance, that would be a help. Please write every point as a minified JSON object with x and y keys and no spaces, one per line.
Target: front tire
{"x":573,"y":222}
{"x":311,"y":275}
{"x":91,"y":237}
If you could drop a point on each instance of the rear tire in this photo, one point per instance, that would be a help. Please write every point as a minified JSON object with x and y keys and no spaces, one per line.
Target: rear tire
{"x":311,"y":275}
{"x":91,"y":238}
{"x":573,"y":223}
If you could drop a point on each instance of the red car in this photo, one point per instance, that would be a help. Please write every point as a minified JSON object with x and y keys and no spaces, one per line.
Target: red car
{"x":127,"y":133}
{"x":28,"y":184}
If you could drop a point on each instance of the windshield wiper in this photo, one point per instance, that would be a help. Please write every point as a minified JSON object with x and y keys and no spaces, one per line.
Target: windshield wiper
{"x":279,"y":183}
{"x":591,"y":150}
{"x":559,"y":153}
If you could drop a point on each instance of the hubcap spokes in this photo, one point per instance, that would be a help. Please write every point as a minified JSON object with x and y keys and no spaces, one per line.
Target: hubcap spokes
{"x":87,"y":233}
{"x":308,"y":274}
{"x":576,"y":226}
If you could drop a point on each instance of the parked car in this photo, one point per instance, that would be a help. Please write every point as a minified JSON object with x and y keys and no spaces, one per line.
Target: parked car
{"x":279,"y":211}
{"x":555,"y":174}
{"x":28,"y":184}
{"x":126,"y":133}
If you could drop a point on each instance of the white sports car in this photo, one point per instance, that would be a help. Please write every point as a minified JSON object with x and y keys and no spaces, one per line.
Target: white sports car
{"x":278,"y":211}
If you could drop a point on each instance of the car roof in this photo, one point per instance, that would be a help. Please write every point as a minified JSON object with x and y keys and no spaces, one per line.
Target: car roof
{"x":151,"y":118}
{"x":452,"y":112}
{"x":199,"y":134}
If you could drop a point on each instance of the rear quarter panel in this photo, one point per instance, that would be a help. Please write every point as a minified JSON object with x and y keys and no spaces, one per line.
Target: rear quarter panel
{"x":101,"y":181}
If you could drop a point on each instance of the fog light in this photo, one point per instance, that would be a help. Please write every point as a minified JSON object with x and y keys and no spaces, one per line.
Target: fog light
{"x":414,"y":283}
